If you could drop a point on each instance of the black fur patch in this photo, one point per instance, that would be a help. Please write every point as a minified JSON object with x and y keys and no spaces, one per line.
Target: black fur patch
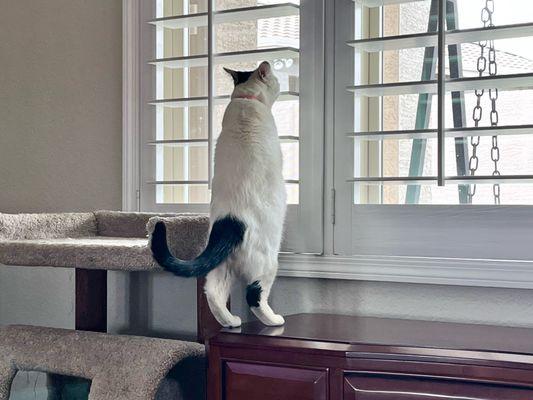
{"x":253,"y":294}
{"x":239,"y":76}
{"x":226,"y":235}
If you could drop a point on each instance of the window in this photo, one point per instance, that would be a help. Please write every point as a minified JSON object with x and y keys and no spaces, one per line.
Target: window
{"x":488,"y":143}
{"x":387,"y":105}
{"x":359,"y":118}
{"x":185,"y":45}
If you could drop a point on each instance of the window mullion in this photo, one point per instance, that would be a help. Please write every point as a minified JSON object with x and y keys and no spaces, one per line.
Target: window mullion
{"x":441,"y":131}
{"x":210,"y":89}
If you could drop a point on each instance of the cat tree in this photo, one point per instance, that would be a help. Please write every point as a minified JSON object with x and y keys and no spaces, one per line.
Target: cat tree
{"x":119,"y":366}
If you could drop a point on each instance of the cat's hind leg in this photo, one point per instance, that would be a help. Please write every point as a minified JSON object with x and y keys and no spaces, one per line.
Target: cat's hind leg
{"x":257,"y":293}
{"x":217,"y":289}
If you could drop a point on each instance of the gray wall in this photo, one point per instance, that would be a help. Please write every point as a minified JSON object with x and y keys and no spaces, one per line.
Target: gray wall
{"x":60,"y":150}
{"x":60,"y":105}
{"x":60,"y":131}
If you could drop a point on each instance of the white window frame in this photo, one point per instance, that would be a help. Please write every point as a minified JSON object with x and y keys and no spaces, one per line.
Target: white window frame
{"x":509,"y":265}
{"x":303,"y":230}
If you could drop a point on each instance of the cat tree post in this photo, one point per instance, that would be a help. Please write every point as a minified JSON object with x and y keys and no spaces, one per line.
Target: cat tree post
{"x":91,"y":300}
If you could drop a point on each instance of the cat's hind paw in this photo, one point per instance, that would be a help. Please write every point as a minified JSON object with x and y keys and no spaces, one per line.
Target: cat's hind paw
{"x":276,"y":320}
{"x":269,"y":319}
{"x":233,"y":322}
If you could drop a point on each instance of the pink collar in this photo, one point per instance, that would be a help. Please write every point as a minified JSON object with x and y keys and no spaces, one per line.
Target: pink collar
{"x":247,"y":96}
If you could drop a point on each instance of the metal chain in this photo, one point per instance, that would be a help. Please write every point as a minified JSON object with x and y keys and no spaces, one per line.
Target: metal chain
{"x":486,"y":18}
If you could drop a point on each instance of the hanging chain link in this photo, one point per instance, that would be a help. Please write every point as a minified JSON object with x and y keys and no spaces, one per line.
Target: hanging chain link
{"x":482,"y":62}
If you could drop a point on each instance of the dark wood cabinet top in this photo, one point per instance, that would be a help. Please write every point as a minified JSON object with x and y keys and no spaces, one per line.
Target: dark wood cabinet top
{"x":366,"y":331}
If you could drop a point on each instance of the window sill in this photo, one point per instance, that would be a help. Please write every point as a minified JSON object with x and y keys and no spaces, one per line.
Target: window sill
{"x":441,"y":271}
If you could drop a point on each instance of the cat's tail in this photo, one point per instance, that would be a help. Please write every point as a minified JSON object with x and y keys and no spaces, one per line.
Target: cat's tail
{"x":226,"y":235}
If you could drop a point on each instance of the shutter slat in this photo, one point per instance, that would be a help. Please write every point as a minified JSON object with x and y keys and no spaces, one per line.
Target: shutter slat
{"x":379,"y":3}
{"x":200,"y":182}
{"x":202,"y":101}
{"x":421,"y":180}
{"x":450,"y":133}
{"x":180,"y":143}
{"x":203,"y":142}
{"x":429,"y":39}
{"x":228,"y":58}
{"x":228,"y":16}
{"x":502,"y":82}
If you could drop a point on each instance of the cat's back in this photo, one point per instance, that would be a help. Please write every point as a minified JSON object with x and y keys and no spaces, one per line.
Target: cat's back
{"x":248,"y":160}
{"x":248,"y":118}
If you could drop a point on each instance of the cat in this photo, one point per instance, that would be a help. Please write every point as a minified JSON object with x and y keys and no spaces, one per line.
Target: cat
{"x":248,"y":203}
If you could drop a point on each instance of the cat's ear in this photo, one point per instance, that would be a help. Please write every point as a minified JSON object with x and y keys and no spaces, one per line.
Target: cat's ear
{"x":234,"y":75}
{"x":264,"y":70}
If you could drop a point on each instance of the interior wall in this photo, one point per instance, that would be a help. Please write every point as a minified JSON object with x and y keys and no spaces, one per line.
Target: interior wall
{"x":60,"y":105}
{"x":60,"y":132}
{"x":60,"y":139}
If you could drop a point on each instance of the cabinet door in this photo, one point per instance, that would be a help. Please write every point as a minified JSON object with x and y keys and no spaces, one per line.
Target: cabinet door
{"x":367,"y":386}
{"x":247,"y":381}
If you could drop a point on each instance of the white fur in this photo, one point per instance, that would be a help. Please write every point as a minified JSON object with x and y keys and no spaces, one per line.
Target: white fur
{"x":248,"y":183}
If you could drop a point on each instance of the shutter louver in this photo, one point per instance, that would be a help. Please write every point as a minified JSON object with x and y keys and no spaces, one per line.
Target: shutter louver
{"x":515,"y":77}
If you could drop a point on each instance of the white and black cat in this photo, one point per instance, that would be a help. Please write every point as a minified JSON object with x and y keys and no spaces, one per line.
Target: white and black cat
{"x":248,"y":204}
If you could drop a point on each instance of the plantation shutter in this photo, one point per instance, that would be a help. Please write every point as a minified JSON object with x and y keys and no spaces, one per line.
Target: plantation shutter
{"x":186,"y":91}
{"x":437,"y":94}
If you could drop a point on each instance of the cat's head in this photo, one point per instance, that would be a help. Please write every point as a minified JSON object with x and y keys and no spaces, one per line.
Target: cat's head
{"x":260,"y":83}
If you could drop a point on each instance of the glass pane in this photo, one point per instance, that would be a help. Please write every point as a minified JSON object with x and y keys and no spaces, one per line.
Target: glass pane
{"x":430,"y":193}
{"x":30,"y":385}
{"x":178,"y":80}
{"x":181,"y":42}
{"x":182,"y":82}
{"x":182,"y":194}
{"x":505,"y":12}
{"x":169,"y":8}
{"x":406,"y":18}
{"x":293,"y":193}
{"x":186,"y":162}
{"x":495,"y":152}
{"x":181,"y":123}
{"x":287,"y":117}
{"x":291,"y":160}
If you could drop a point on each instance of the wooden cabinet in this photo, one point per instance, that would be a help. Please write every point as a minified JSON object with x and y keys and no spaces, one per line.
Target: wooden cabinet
{"x":417,"y":387}
{"x":268,"y":382}
{"x":318,"y":356}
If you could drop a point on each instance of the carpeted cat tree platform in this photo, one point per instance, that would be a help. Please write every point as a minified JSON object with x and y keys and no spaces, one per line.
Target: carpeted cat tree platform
{"x":120,"y":367}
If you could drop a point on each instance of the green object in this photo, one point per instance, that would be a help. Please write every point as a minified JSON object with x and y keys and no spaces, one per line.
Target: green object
{"x":418,"y":151}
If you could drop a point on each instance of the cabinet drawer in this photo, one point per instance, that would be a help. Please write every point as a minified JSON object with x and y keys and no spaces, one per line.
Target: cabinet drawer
{"x":269,"y":382}
{"x":379,"y":386}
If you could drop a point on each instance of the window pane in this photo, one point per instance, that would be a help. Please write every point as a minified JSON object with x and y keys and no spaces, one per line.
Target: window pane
{"x":169,"y":8}
{"x":293,"y":193}
{"x":502,"y":151}
{"x":512,"y":194}
{"x":290,"y":160}
{"x":186,"y":162}
{"x":272,"y":34}
{"x":183,"y":194}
